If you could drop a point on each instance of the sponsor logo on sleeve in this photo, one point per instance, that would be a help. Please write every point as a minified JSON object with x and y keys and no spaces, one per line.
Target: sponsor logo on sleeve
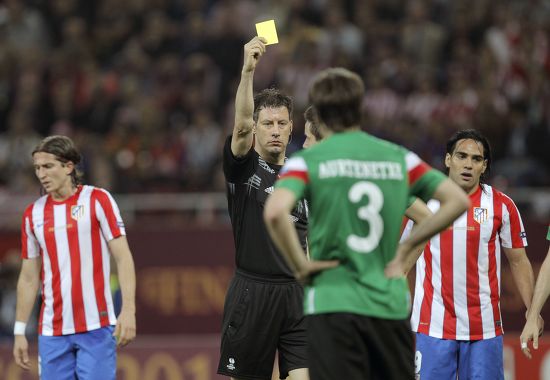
{"x":523,"y":234}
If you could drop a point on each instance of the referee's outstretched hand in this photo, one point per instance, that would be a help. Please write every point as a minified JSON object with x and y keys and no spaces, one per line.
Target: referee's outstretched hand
{"x":125,"y":330}
{"x":253,"y":50}
{"x":311,"y":267}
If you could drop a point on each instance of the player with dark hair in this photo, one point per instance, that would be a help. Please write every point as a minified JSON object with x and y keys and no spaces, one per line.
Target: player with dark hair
{"x":456,"y":310}
{"x":68,"y":236}
{"x":358,"y":188}
{"x":416,"y":209}
{"x":263,"y":306}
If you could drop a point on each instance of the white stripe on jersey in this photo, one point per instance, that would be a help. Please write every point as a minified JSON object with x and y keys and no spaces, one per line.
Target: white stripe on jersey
{"x":102,"y":218}
{"x":47,"y":297}
{"x":64,"y":261}
{"x":507,"y":237}
{"x":412,"y":160}
{"x":33,"y":250}
{"x":107,"y":288}
{"x":498,"y":259}
{"x":108,"y":235}
{"x":419,"y":285}
{"x":438,"y":308}
{"x":47,"y":290}
{"x":61,"y":237}
{"x":294,"y":164}
{"x":459,"y":282}
{"x":487,"y":318}
{"x":488,"y":265}
{"x":87,"y":265}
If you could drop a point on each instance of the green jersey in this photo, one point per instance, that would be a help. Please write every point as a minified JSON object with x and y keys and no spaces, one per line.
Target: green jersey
{"x":548,"y":235}
{"x":357,"y":187}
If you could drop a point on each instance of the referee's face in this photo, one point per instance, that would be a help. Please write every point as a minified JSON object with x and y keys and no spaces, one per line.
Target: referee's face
{"x":273,"y":132}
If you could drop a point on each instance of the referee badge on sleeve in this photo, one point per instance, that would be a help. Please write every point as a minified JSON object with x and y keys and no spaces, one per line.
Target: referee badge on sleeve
{"x":77,"y":212}
{"x":480,"y":214}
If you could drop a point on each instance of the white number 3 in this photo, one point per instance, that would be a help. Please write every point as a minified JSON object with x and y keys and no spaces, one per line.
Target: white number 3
{"x":369,"y":213}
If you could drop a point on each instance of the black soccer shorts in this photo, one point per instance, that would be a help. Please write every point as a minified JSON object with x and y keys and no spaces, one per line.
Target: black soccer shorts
{"x":356,"y":347}
{"x":260,"y":317}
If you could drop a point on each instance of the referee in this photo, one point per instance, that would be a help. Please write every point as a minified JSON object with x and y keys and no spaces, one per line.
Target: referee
{"x":263,"y":306}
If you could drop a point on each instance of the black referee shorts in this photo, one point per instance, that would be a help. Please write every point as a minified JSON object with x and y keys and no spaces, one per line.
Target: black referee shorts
{"x":261,"y":316}
{"x":356,"y":347}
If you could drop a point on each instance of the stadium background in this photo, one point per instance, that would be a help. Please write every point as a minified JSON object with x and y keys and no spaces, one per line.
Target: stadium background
{"x":146,"y":89}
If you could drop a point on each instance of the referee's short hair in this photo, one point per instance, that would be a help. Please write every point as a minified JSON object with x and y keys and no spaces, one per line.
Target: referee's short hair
{"x":271,"y":98}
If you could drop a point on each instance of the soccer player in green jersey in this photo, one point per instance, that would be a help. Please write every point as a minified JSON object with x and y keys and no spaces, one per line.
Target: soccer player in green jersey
{"x":531,"y":331}
{"x":357,"y":187}
{"x":416,"y":209}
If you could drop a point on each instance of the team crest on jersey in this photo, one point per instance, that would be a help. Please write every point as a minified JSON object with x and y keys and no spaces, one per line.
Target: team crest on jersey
{"x":480,"y":214}
{"x":77,"y":212}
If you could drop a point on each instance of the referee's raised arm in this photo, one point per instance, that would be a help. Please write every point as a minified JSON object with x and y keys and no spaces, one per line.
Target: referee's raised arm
{"x":244,"y":100}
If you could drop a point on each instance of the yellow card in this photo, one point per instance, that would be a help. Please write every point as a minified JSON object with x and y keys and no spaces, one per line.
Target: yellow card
{"x":268,"y":31}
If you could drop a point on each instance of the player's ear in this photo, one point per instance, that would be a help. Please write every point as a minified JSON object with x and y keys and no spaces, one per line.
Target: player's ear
{"x":484,"y":166}
{"x":69,"y":165}
{"x":447,"y":160}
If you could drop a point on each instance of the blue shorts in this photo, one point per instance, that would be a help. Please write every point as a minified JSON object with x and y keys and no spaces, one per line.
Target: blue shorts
{"x":442,"y":359}
{"x":83,"y":356}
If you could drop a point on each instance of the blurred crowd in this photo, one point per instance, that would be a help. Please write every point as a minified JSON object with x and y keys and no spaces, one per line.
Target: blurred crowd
{"x":146,"y":87}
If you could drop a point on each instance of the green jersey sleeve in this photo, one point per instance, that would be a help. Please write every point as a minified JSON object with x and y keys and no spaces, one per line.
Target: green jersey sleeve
{"x":423,"y":179}
{"x":294,"y":176}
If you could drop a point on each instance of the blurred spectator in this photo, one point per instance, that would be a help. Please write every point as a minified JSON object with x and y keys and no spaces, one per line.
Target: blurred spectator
{"x":203,"y":139}
{"x":9,"y":273}
{"x":16,"y":146}
{"x":24,"y":26}
{"x":422,"y":39}
{"x":145,"y":85}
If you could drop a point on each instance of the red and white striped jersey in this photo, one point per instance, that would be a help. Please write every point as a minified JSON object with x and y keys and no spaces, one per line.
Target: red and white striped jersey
{"x":457,"y":291}
{"x":71,"y":237}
